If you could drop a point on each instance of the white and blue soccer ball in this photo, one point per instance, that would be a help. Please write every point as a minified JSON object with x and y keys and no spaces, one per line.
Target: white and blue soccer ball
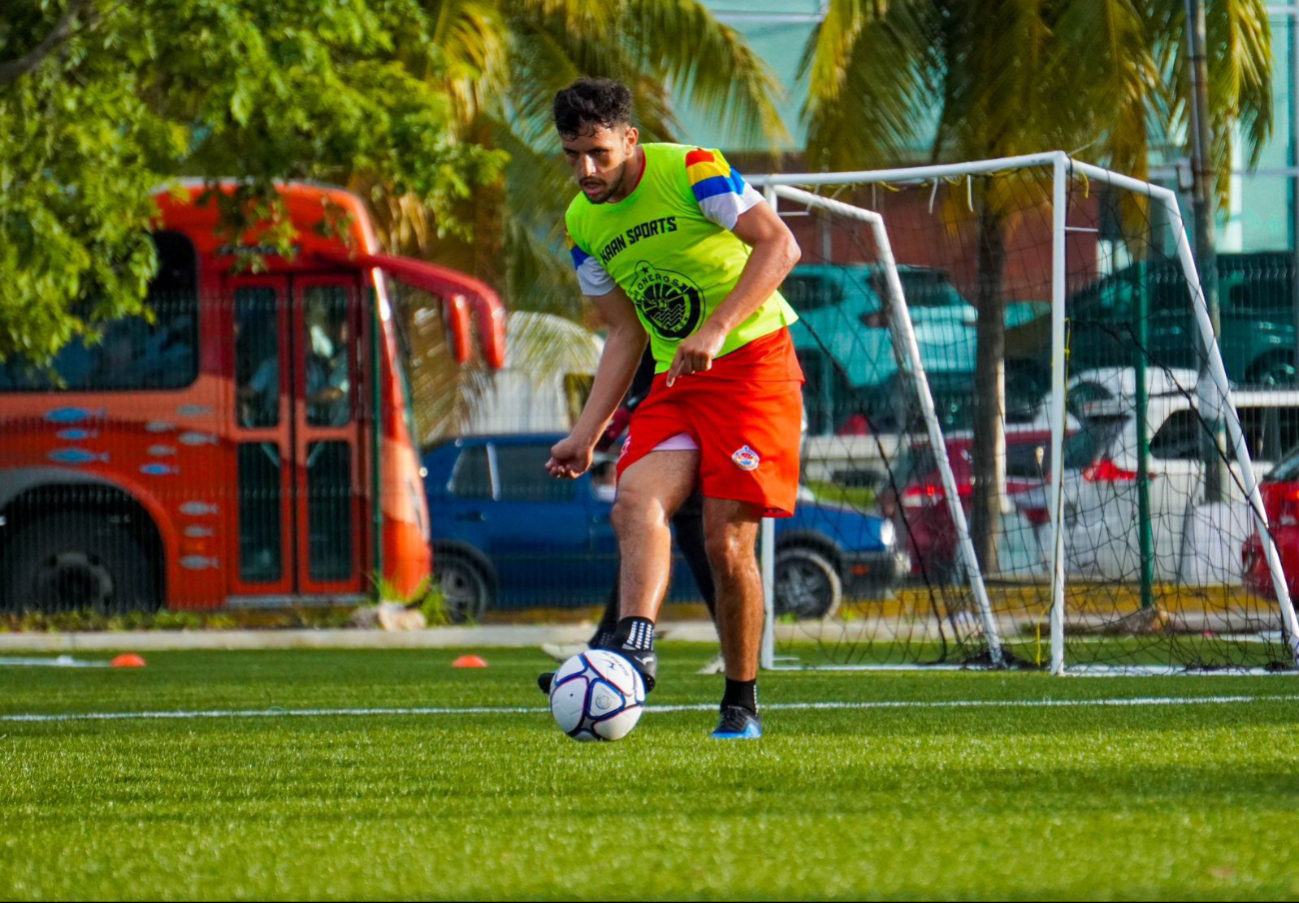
{"x":597,"y":695}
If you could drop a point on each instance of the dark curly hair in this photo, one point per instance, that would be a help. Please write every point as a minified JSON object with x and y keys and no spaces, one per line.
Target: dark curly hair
{"x":589,"y":103}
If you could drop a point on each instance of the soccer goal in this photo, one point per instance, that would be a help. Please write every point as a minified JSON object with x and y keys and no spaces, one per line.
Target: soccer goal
{"x":1014,"y":385}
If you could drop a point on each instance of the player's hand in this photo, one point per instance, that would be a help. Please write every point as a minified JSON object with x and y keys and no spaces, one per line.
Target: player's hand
{"x":695,"y":354}
{"x":569,"y":458}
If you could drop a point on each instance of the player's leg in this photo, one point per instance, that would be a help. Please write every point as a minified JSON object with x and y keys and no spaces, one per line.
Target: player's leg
{"x":732,"y":533}
{"x":650,"y":490}
{"x":608,"y":625}
{"x":748,"y":469}
{"x":688,"y":529}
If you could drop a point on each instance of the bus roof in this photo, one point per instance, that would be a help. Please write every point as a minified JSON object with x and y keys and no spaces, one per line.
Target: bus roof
{"x":325,"y":218}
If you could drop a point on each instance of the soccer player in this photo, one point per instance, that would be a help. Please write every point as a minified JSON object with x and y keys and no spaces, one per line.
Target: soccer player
{"x":675,"y":248}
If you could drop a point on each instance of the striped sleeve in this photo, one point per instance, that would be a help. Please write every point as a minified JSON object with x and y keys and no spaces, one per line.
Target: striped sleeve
{"x":721,"y":192}
{"x":594,"y":279}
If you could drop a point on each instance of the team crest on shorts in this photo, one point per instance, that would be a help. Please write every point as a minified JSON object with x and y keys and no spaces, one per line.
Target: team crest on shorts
{"x":746,"y":458}
{"x":626,"y":444}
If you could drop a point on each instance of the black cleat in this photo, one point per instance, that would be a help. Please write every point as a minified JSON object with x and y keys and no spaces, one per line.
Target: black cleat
{"x":738,"y":723}
{"x":645,"y":662}
{"x":545,"y":680}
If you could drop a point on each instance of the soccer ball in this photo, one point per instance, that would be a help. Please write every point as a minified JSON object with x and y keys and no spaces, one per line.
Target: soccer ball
{"x":597,"y":695}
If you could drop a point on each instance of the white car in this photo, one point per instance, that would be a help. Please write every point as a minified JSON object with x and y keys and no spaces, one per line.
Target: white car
{"x":1194,"y":542}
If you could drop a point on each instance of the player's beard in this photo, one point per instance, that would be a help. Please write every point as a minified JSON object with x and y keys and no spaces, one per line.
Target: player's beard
{"x":608,"y":190}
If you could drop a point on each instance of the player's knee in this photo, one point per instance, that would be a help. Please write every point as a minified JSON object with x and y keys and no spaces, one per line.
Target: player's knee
{"x":635,"y":511}
{"x":729,"y":555}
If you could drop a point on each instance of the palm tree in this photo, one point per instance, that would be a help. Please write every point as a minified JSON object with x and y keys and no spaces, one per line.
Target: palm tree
{"x":503,"y":61}
{"x":1010,"y":77}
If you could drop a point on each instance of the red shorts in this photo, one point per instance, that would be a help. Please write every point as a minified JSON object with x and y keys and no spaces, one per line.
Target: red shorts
{"x":746,"y":417}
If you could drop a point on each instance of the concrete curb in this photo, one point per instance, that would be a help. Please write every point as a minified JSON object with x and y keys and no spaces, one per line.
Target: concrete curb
{"x":434,"y":638}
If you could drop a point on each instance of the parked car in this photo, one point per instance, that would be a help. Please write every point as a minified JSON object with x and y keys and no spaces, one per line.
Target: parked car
{"x":1193,"y":542}
{"x":859,"y":291}
{"x":1280,"y":491}
{"x":891,"y":408}
{"x":846,"y":349}
{"x":507,"y":535}
{"x":1256,"y":304}
{"x":925,"y":518}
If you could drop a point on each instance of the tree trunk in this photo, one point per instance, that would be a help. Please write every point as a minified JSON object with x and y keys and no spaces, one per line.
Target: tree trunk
{"x":989,"y":451}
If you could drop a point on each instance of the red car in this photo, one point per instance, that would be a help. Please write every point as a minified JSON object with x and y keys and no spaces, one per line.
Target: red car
{"x":924,"y":517}
{"x":1280,"y":491}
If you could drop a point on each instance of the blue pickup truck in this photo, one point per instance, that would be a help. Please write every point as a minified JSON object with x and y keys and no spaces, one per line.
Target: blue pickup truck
{"x":506,"y":535}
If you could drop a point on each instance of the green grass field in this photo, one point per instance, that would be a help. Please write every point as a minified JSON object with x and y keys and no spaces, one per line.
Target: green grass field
{"x":928,"y":799}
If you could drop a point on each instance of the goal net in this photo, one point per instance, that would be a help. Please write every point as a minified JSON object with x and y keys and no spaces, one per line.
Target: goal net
{"x":1011,"y":370}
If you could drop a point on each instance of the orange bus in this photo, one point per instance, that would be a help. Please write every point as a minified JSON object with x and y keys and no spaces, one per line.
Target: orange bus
{"x":248,"y":444}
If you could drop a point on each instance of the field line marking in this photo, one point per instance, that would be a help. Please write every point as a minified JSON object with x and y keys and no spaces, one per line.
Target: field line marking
{"x":691,"y":707}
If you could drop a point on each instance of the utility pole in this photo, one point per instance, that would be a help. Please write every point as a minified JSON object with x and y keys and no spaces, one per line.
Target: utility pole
{"x":1205,"y":228}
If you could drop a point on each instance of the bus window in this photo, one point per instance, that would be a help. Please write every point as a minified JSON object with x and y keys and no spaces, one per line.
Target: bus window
{"x":329,"y":510}
{"x":328,"y":358}
{"x":131,"y":352}
{"x":260,"y":547}
{"x":257,"y":356}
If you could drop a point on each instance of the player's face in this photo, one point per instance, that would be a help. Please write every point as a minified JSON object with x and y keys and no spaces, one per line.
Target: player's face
{"x":599,"y":158}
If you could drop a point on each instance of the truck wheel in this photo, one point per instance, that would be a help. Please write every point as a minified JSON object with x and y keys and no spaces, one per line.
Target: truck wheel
{"x":464,"y":588}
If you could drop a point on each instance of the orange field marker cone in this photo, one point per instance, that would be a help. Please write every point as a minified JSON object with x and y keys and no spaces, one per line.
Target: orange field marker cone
{"x":127,"y":660}
{"x":469,"y":661}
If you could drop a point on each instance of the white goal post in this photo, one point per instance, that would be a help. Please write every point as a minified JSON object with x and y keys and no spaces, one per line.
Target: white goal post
{"x":790,"y":192}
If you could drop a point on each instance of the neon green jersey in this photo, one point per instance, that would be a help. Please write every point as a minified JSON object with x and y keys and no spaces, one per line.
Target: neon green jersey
{"x":669,"y":246}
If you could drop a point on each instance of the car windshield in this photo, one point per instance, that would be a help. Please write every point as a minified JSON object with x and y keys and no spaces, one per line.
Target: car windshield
{"x":1087,"y":446}
{"x":1025,"y":458}
{"x":1286,"y":470}
{"x":807,"y":291}
{"x":929,"y":288}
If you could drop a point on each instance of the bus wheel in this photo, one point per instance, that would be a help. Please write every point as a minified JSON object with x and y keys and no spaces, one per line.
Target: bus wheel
{"x":464,"y":588}
{"x":73,"y":562}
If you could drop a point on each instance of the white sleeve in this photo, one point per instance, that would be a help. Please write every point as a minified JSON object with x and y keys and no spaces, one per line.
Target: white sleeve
{"x":594,"y":279}
{"x":725,"y":208}
{"x":720,"y":191}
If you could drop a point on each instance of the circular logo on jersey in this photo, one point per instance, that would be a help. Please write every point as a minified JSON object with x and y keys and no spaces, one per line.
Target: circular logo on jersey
{"x":672,"y":303}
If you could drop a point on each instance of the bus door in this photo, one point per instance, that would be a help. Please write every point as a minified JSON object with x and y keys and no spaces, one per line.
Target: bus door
{"x":299,"y":521}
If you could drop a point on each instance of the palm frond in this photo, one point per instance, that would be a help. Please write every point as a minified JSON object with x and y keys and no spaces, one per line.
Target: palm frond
{"x":681,"y":43}
{"x":870,"y":108}
{"x":1103,"y":54}
{"x":1239,"y":41}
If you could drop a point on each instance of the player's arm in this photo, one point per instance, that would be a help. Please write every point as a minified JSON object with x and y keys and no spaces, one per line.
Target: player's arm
{"x":623,"y":346}
{"x":774,"y":254}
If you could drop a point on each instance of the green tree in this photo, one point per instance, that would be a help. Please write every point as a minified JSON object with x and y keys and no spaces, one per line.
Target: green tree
{"x":504,"y":62}
{"x":506,"y":59}
{"x":1007,"y":77}
{"x":101,"y":102}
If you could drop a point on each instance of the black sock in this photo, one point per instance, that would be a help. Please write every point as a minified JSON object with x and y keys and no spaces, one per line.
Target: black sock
{"x":636,"y":634}
{"x":743,"y":693}
{"x":606,"y":632}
